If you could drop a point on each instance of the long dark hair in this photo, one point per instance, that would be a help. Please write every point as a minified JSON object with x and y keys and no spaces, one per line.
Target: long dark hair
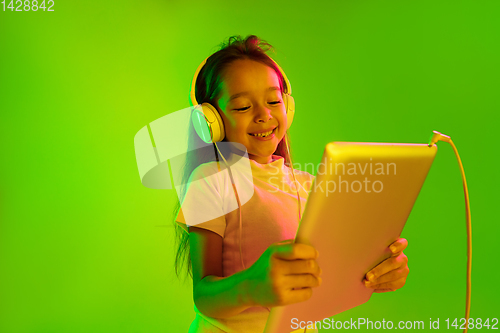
{"x":207,"y":90}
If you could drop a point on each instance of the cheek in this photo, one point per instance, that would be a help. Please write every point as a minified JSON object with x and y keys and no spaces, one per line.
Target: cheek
{"x":283,"y":123}
{"x":242,"y":132}
{"x":239,"y":127}
{"x":229,"y":126}
{"x":234,"y":130}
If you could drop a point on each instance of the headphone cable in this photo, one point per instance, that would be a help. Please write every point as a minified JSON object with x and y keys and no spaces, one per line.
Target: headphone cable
{"x":238,"y":198}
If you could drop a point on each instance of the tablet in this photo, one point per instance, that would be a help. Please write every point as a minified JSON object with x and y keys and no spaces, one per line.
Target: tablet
{"x":358,"y":204}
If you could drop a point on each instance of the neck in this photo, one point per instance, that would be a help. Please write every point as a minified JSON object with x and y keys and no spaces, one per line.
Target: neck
{"x":261,"y":159}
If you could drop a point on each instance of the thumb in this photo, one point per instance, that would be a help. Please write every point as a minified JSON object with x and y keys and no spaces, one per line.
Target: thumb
{"x":294,"y":251}
{"x":283,"y":249}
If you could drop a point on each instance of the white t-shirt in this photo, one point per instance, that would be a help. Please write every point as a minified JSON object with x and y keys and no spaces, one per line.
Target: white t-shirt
{"x":269,"y":216}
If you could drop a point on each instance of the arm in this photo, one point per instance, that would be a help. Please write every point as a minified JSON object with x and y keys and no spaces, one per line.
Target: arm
{"x":284,"y":274}
{"x":214,"y":295}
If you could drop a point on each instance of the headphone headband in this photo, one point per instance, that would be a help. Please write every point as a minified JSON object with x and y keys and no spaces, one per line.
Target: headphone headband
{"x":192,"y":94}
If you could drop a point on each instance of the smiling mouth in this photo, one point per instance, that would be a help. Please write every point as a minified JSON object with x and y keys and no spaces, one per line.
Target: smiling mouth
{"x":264,"y":135}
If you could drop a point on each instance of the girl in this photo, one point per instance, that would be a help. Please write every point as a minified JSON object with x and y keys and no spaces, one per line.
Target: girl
{"x":232,"y":290}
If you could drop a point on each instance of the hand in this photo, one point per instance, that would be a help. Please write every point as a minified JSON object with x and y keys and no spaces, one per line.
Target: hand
{"x":391,"y":273}
{"x":284,"y":274}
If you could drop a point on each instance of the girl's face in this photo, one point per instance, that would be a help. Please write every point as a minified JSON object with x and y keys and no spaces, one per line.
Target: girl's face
{"x":251,"y":102}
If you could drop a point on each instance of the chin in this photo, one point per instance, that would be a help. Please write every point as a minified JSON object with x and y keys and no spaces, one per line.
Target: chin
{"x":265,"y":153}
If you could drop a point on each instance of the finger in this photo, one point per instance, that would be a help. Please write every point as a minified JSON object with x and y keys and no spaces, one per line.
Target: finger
{"x":294,"y":251}
{"x":286,"y":241}
{"x":399,"y":245}
{"x":383,"y":290}
{"x":394,"y":275}
{"x":299,"y":295}
{"x":391,"y":285}
{"x":308,"y":266}
{"x":386,"y":266}
{"x":300,"y":281}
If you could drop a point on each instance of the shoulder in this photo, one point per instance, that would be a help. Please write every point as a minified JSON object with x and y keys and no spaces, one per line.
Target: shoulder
{"x":304,"y":178}
{"x":204,"y":181}
{"x":205,"y":171}
{"x":210,"y":178}
{"x":304,"y":175}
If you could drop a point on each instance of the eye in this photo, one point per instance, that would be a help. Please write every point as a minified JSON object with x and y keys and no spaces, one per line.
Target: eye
{"x":246,"y":108}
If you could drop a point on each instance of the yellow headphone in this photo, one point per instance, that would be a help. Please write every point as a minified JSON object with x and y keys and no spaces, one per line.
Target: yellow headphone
{"x":210,"y":115}
{"x":213,"y":131}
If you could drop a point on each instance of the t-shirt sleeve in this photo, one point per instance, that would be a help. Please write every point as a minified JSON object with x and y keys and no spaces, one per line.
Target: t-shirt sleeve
{"x":203,"y":203}
{"x":179,"y":219}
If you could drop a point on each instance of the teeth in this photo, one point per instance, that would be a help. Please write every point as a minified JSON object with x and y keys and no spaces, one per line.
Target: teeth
{"x":263,"y":134}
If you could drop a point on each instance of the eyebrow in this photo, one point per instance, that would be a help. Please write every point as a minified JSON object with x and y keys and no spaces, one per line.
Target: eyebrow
{"x":246,"y":93}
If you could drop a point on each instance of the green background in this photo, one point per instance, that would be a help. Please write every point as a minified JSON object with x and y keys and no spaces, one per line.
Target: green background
{"x":85,"y":247}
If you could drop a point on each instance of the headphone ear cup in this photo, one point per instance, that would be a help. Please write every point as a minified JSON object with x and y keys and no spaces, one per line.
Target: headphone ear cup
{"x":290,"y":109}
{"x":212,"y":119}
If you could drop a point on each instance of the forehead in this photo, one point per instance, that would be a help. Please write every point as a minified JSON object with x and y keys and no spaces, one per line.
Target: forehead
{"x":248,"y":75}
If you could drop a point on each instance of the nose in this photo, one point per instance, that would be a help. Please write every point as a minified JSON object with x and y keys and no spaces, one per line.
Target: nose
{"x":262,"y":114}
